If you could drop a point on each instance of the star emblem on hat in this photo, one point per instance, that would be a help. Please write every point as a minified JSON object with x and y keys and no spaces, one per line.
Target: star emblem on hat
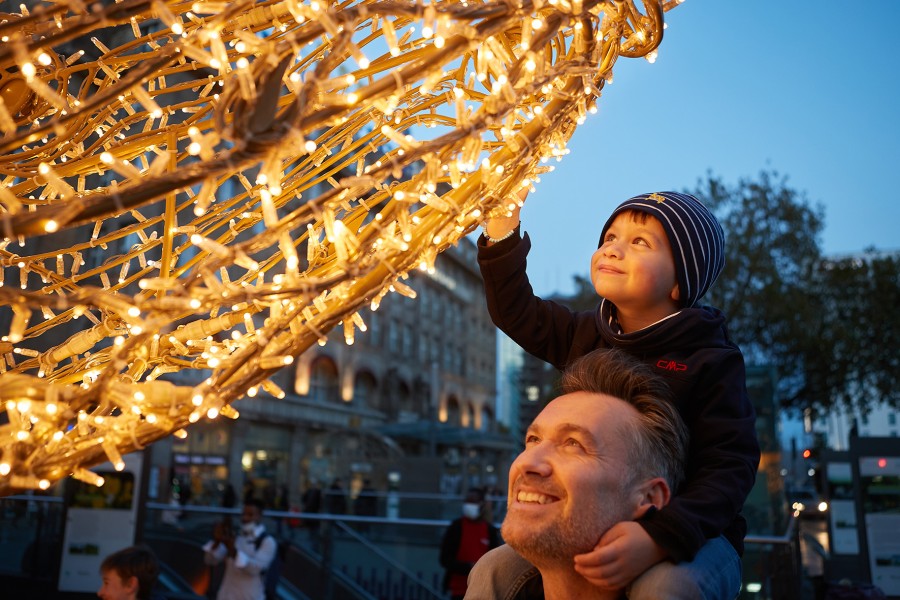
{"x":657,"y":197}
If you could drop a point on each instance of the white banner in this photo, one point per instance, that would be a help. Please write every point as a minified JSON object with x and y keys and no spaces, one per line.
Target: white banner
{"x":99,"y":521}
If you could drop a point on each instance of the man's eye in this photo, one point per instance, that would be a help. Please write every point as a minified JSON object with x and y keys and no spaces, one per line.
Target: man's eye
{"x":572,"y":442}
{"x":532,"y":439}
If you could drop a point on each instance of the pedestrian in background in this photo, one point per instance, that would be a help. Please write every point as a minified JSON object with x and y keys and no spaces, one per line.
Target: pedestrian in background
{"x":311,"y":502}
{"x":247,"y":554}
{"x":336,"y":498}
{"x":365,"y":504}
{"x":466,"y":540}
{"x":229,"y":496}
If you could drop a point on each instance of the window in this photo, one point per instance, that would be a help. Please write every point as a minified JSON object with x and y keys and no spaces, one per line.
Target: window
{"x":374,"y":325}
{"x":404,"y":398}
{"x":436,"y":307}
{"x":465,"y":415}
{"x":323,"y":381}
{"x":435,"y":352}
{"x":364,"y":390}
{"x":393,"y":337}
{"x":454,"y":414}
{"x":424,"y":303}
{"x":487,"y":419}
{"x":406,"y":341}
{"x":423,"y":349}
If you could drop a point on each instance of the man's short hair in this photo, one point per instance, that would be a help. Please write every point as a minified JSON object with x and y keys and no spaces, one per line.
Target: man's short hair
{"x":476,"y":493}
{"x":259,"y":504}
{"x":134,"y":561}
{"x":660,"y":438}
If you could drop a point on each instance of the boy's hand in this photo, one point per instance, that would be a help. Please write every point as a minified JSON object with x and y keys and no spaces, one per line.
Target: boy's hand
{"x":497,"y":227}
{"x":623,"y":553}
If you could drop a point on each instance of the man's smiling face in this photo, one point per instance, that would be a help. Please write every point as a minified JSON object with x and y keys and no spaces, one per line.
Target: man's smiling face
{"x":571,"y":483}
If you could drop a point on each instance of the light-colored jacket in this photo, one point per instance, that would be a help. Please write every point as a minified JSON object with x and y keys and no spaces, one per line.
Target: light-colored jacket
{"x":243,"y":574}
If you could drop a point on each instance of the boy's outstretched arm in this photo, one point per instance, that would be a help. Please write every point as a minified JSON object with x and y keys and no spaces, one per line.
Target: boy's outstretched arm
{"x":624,"y":552}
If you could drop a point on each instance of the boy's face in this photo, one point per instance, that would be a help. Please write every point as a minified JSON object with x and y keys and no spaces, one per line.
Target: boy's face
{"x":634,"y":268}
{"x":115,"y":588}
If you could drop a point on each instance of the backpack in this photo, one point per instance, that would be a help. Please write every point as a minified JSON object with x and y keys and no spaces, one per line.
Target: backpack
{"x":273,"y":573}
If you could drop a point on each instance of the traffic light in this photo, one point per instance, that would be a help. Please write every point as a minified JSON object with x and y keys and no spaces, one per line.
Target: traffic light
{"x":807,"y":453}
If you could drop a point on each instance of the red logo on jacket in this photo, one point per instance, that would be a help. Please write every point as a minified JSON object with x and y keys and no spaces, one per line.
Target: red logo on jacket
{"x":671,"y":365}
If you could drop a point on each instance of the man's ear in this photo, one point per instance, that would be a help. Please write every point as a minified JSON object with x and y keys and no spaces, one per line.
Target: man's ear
{"x":653,"y":493}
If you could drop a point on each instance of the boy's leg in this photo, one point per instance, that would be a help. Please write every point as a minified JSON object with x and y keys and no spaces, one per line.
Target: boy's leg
{"x":714,"y":574}
{"x":496,"y":573}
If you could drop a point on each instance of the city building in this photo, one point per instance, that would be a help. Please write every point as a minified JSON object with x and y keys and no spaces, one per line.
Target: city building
{"x":409,"y":406}
{"x":538,"y":385}
{"x":881,"y":421}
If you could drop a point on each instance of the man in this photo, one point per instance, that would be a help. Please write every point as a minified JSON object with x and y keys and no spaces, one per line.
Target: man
{"x":129,"y":574}
{"x":246,"y":556}
{"x":366,"y":503}
{"x":610,"y":449}
{"x":466,"y":540}
{"x":335,"y":498}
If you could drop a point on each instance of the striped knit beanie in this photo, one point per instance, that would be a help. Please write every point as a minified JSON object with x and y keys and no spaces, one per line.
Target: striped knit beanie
{"x":696,"y":238}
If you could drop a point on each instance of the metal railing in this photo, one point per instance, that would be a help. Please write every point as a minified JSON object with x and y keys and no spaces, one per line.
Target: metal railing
{"x":332,"y":557}
{"x":780,"y":576}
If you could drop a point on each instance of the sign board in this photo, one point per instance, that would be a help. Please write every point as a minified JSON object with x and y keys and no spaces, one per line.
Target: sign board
{"x":842,"y":508}
{"x":879,"y":481}
{"x":99,"y":521}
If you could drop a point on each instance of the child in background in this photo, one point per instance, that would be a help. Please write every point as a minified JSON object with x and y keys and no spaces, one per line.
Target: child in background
{"x":129,"y":574}
{"x":658,"y":255}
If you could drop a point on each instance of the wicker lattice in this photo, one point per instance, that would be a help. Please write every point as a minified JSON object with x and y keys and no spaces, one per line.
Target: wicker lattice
{"x":213,"y":186}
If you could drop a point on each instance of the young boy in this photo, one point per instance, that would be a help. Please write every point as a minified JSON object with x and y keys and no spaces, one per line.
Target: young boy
{"x":129,"y":574}
{"x":658,"y":255}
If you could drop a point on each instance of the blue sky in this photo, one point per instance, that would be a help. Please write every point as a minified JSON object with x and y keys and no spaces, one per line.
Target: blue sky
{"x":809,"y":89}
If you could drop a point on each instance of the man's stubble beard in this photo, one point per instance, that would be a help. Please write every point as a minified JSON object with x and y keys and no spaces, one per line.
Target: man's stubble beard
{"x":560,"y":540}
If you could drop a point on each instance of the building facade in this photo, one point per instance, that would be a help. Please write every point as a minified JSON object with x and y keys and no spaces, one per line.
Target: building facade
{"x":409,"y":406}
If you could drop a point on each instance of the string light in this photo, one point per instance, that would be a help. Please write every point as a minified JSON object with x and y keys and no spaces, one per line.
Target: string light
{"x":218,"y":185}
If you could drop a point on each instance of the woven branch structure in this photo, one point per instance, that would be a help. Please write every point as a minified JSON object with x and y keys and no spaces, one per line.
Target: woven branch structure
{"x":202,"y":190}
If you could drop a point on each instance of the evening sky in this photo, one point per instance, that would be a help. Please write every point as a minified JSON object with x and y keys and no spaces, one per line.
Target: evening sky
{"x":810,"y":89}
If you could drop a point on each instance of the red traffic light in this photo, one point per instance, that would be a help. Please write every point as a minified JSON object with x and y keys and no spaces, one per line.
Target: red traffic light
{"x":807,"y":453}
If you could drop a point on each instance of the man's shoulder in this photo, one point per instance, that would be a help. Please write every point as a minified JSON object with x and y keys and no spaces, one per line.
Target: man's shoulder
{"x":530,"y":586}
{"x":503,"y":573}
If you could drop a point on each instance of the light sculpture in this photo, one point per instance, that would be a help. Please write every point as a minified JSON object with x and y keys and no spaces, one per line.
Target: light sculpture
{"x":211,"y":187}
